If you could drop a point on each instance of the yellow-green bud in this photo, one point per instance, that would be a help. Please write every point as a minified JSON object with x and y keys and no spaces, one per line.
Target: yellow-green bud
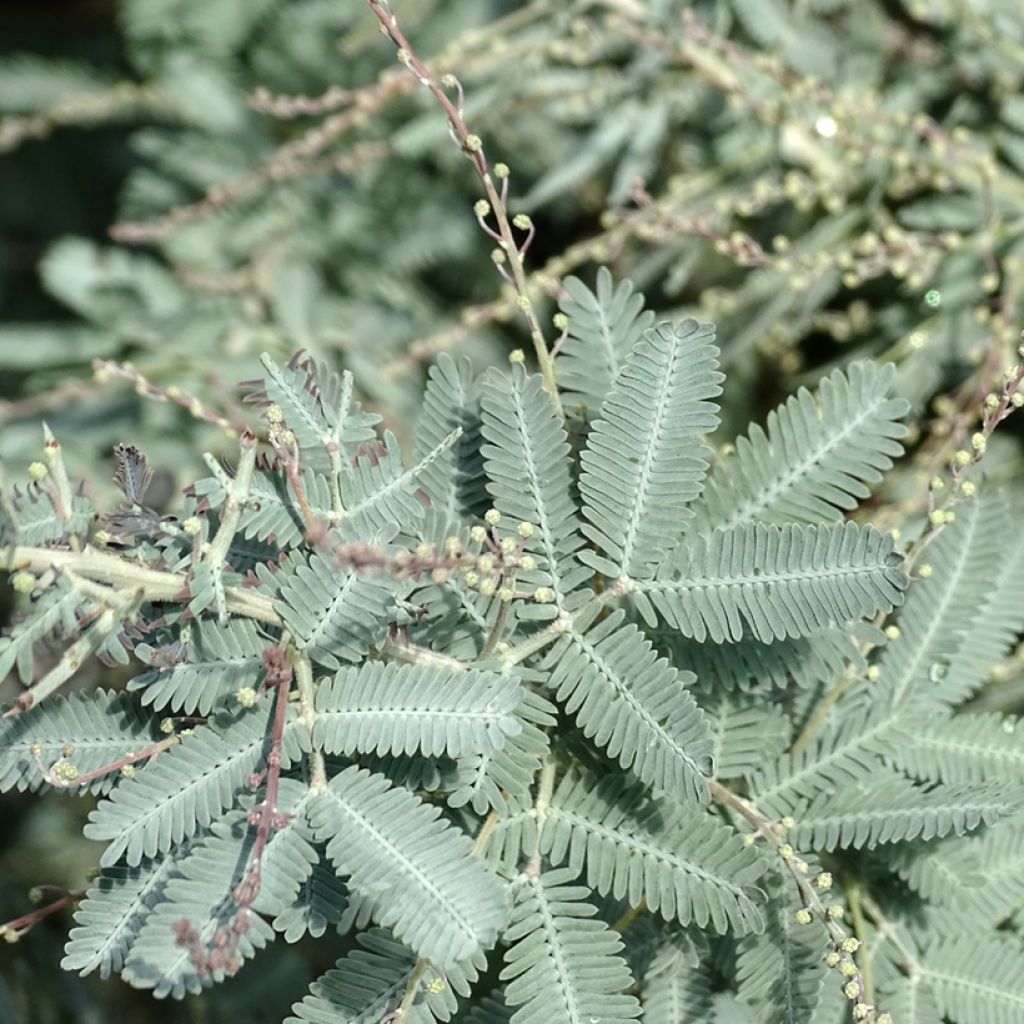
{"x":471,"y":578}
{"x":991,"y":402}
{"x":835,"y":912}
{"x":851,"y":945}
{"x":1017,"y":399}
{"x":824,"y":880}
{"x":968,"y":489}
{"x":452,"y":546}
{"x":803,"y":916}
{"x":508,"y":545}
{"x":23,"y":582}
{"x":527,"y":563}
{"x":501,"y":170}
{"x":560,"y":320}
{"x":481,"y":207}
{"x":517,"y":355}
{"x":506,"y":594}
{"x":127,"y":771}
{"x":873,"y":673}
{"x":474,"y":143}
{"x":66,"y":772}
{"x":246,"y":696}
{"x":449,"y":81}
{"x":478,"y":534}
{"x":786,"y":851}
{"x":936,"y":483}
{"x":892,"y":632}
{"x":848,"y":968}
{"x":851,"y":990}
{"x":522,"y":221}
{"x":832,"y":958}
{"x":936,"y":517}
{"x":485,"y":563}
{"x":925,"y":571}
{"x":434,"y":986}
{"x":167,"y":726}
{"x":488,"y":587}
{"x":492,"y":516}
{"x":525,"y":530}
{"x":543,"y":595}
{"x":961,"y":458}
{"x":788,"y":822}
{"x":274,"y":414}
{"x":37,"y":470}
{"x":978,"y":442}
{"x":192,"y":525}
{"x":860,"y":1011}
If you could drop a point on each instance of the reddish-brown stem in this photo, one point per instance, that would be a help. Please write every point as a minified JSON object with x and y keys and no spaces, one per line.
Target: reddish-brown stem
{"x":14,"y":929}
{"x":115,"y":766}
{"x":473,"y":149}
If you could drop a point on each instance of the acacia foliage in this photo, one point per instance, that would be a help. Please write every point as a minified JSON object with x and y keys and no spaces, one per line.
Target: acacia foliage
{"x":497,"y":751}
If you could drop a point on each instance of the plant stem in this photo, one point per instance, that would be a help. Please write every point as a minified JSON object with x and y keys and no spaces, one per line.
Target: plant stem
{"x":155,"y":585}
{"x":853,"y":899}
{"x":821,"y":712}
{"x":307,"y":696}
{"x":473,"y":149}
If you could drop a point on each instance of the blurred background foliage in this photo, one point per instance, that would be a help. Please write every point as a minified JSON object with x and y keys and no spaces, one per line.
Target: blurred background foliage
{"x":186,"y":183}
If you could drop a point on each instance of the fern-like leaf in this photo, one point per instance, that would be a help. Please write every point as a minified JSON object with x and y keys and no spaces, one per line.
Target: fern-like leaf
{"x":527,"y":462}
{"x":677,"y":860}
{"x":333,"y":614}
{"x":780,"y":972}
{"x":454,"y":481}
{"x":892,"y":809}
{"x":774,"y":582}
{"x":186,"y":787}
{"x":563,"y":965}
{"x":632,"y":703}
{"x":604,"y":325}
{"x":817,"y":458}
{"x":86,"y":730}
{"x":429,"y":888}
{"x":964,"y":748}
{"x":645,"y":459}
{"x":55,"y":610}
{"x":977,"y":980}
{"x":220,"y":660}
{"x":114,"y":909}
{"x":368,"y":984}
{"x":404,"y":709}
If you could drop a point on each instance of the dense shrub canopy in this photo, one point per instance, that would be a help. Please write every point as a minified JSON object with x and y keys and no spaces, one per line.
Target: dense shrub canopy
{"x":621,"y":625}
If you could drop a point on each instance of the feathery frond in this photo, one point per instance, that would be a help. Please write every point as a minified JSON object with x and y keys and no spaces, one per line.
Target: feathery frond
{"x":644,"y":459}
{"x":219,"y":661}
{"x":562,"y":965}
{"x":185,"y":788}
{"x":774,"y":582}
{"x":404,"y":709}
{"x":85,"y":731}
{"x":604,"y":325}
{"x":632,"y":703}
{"x":818,"y":457}
{"x":527,"y":461}
{"x":335,"y":615}
{"x":419,"y":870}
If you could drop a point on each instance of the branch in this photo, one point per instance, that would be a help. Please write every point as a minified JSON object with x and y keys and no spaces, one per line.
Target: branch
{"x":472,"y":146}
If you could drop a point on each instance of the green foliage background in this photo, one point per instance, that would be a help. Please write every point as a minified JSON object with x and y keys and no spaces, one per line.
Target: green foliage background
{"x":824,"y":179}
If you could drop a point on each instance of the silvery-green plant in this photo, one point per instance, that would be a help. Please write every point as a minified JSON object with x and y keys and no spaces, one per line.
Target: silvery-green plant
{"x":568,"y":718}
{"x":566,"y":708}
